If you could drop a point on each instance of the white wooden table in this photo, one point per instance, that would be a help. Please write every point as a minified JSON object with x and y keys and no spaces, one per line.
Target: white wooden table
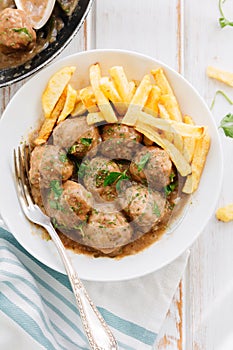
{"x":186,"y":36}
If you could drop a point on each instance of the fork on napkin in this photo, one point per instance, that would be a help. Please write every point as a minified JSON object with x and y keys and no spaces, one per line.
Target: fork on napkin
{"x":41,"y":303}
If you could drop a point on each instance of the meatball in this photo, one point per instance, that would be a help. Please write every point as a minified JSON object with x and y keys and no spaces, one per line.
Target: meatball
{"x":107,"y":231}
{"x":49,"y":163}
{"x":145,"y":207}
{"x":95,"y":173}
{"x":152,"y":165}
{"x":76,"y":135}
{"x":69,"y":206}
{"x":16,"y":32}
{"x":120,"y":141}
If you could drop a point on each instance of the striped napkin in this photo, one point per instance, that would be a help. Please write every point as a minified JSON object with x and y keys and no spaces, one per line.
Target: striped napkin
{"x":38,"y":311}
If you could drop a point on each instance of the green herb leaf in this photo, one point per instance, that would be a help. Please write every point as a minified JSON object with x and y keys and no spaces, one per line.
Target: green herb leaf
{"x":56,"y":189}
{"x":227,"y":125}
{"x":22,"y":30}
{"x":111,"y":178}
{"x":56,"y":205}
{"x":170,"y":188}
{"x":156,"y":210}
{"x":86,"y":141}
{"x":63,"y":158}
{"x":220,"y":92}
{"x":72,"y":149}
{"x":115,"y":176}
{"x":82,"y":169}
{"x":142,"y":163}
{"x":223,"y":21}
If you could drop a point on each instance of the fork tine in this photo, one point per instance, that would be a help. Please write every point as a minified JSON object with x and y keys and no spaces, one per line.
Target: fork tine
{"x":27,"y":156}
{"x":18,"y":182}
{"x":23,"y":178}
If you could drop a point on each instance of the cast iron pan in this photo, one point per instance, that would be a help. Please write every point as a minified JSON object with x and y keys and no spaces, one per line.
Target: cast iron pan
{"x":12,"y":75}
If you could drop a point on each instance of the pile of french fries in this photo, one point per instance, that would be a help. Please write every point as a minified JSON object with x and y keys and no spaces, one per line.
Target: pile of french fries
{"x":150,"y":106}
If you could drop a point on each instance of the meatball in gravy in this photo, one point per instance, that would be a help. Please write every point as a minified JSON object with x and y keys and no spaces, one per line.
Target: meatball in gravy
{"x":153,"y":166}
{"x":16,"y":32}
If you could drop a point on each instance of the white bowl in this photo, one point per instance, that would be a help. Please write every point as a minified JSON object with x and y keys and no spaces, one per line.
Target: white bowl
{"x":22,"y":115}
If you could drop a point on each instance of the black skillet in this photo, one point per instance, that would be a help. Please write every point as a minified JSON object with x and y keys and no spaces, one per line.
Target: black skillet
{"x":12,"y":75}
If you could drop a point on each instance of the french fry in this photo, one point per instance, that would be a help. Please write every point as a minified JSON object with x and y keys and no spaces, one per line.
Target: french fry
{"x":132,"y":90}
{"x":69,"y":103}
{"x":162,"y":82}
{"x":147,"y":141}
{"x":102,"y":101}
{"x":170,"y":101}
{"x":169,"y":125}
{"x":93,"y":118}
{"x":88,"y":99}
{"x":138,"y":101}
{"x":112,"y":94}
{"x":120,"y":80}
{"x":176,"y":156}
{"x":151,"y":105}
{"x":199,"y":158}
{"x":49,"y":123}
{"x":189,"y":142}
{"x":221,"y":75}
{"x":225,"y":214}
{"x":171,"y":105}
{"x":79,"y":109}
{"x":164,"y":115}
{"x":54,"y":89}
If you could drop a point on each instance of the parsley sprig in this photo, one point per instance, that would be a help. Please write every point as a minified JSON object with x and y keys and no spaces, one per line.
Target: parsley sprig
{"x":227,"y":125}
{"x":143,"y":161}
{"x":115,"y":177}
{"x":223,"y":21}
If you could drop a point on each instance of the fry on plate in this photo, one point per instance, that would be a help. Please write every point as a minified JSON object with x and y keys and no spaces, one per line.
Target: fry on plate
{"x":189,"y":142}
{"x":151,"y":105}
{"x":120,"y":80}
{"x":171,"y":105}
{"x":49,"y":123}
{"x":79,"y":109}
{"x":110,"y":91}
{"x":138,"y":101}
{"x":70,"y":101}
{"x":96,"y":117}
{"x":221,"y":75}
{"x":102,"y":101}
{"x":88,"y":99}
{"x":199,"y":158}
{"x":225,"y":214}
{"x":55,"y":87}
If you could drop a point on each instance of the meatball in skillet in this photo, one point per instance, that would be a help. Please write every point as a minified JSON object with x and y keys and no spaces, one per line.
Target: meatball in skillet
{"x":49,"y":163}
{"x":16,"y":32}
{"x":96,"y":172}
{"x":152,"y":165}
{"x":107,"y":231}
{"x":120,"y":141}
{"x":77,"y":136}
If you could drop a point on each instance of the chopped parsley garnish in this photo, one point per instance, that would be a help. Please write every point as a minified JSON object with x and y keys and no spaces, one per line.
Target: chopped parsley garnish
{"x":117,"y":177}
{"x":170,"y":188}
{"x":227,"y":125}
{"x":22,"y":30}
{"x":142,"y":163}
{"x":156,"y":210}
{"x":86,"y":141}
{"x":82,"y":169}
{"x":63,"y":157}
{"x":56,"y":188}
{"x":56,"y":205}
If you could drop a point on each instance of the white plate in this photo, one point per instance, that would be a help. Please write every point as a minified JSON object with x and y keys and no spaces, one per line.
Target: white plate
{"x":21,"y":116}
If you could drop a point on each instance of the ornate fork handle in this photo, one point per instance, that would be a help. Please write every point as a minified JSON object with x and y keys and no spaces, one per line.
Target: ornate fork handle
{"x":97,"y":331}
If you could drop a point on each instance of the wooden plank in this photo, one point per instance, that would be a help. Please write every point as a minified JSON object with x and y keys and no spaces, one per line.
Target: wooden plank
{"x":209,"y":286}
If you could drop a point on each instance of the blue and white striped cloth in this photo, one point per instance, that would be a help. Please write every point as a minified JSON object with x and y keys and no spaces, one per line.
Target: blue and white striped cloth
{"x":37,"y":303}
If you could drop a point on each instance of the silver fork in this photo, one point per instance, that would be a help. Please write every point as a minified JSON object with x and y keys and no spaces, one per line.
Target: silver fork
{"x":97,"y":331}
